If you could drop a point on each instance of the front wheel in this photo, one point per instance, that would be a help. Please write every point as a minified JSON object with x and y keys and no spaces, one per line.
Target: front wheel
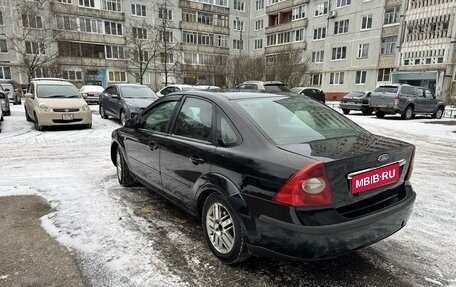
{"x":223,"y":231}
{"x":123,"y":172}
{"x":27,"y":117}
{"x":367,"y":111}
{"x":438,"y":114}
{"x":103,"y":112}
{"x":38,"y":127}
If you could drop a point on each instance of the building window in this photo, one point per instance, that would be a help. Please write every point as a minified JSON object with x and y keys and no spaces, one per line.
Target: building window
{"x":366,"y":22}
{"x":138,"y":10}
{"x":342,"y":3}
{"x":238,"y":25}
{"x":139,"y":33}
{"x":239,"y":5}
{"x":384,"y":75}
{"x":165,"y":14}
{"x":389,"y":45}
{"x":112,"y":5}
{"x":117,"y":76}
{"x":392,"y":15}
{"x":87,"y":3}
{"x":341,"y":27}
{"x":65,"y":1}
{"x":339,"y":53}
{"x":168,"y":59}
{"x":237,"y":44}
{"x":5,"y":73}
{"x":3,"y":46}
{"x":259,"y":4}
{"x":113,"y":28}
{"x":89,"y":25}
{"x":298,"y":13}
{"x":140,"y":57}
{"x":318,"y":56}
{"x":1,"y":18}
{"x":360,"y":78}
{"x":68,"y":23}
{"x":258,"y":44}
{"x":336,"y":78}
{"x":299,"y":35}
{"x":316,"y":79}
{"x":34,"y":48}
{"x":115,"y":52}
{"x":319,"y":33}
{"x":31,"y":21}
{"x":166,"y":36}
{"x":321,"y":9}
{"x":223,"y":3}
{"x":259,"y":24}
{"x":363,"y":50}
{"x":72,"y":75}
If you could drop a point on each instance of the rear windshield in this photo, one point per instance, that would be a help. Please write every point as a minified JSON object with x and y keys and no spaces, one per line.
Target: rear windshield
{"x":297,"y":120}
{"x":137,"y":92}
{"x":387,"y":89}
{"x":355,"y":94}
{"x":276,"y":88}
{"x":57,"y":91}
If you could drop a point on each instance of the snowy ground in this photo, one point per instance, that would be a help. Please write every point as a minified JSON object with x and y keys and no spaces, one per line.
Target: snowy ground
{"x":132,"y":237}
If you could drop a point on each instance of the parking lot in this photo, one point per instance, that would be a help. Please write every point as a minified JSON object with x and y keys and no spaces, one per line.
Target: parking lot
{"x":132,"y":237}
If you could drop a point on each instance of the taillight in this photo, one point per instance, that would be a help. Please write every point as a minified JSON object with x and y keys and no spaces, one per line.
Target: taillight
{"x":410,"y":169}
{"x":309,"y":187}
{"x":396,"y":101}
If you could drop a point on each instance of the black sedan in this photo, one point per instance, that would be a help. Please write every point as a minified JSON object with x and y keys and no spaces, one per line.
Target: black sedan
{"x":358,"y":101}
{"x":269,"y":175}
{"x":125,"y":101}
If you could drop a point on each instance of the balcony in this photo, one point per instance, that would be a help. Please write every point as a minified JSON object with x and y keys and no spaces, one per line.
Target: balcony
{"x":285,"y":47}
{"x":203,"y":49}
{"x":91,"y":62}
{"x":387,"y":60}
{"x":59,"y":8}
{"x":185,"y":4}
{"x":286,"y":5}
{"x":204,"y":28}
{"x":293,"y":25}
{"x":390,"y":31}
{"x":88,"y":37}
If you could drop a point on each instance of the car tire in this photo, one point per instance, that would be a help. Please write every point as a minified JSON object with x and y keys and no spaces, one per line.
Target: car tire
{"x":367,"y":111}
{"x":88,"y":126}
{"x":407,"y":114}
{"x":38,"y":127}
{"x":27,"y":117}
{"x":122,"y":117}
{"x":123,"y":172}
{"x":379,"y":114}
{"x":226,"y":242}
{"x":438,"y":114}
{"x":103,"y":113}
{"x":345,"y":111}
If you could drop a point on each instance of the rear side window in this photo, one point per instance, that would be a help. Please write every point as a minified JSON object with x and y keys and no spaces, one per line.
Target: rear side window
{"x":297,"y":120}
{"x":227,"y":135}
{"x":276,"y":88}
{"x":387,"y":89}
{"x":407,"y":90}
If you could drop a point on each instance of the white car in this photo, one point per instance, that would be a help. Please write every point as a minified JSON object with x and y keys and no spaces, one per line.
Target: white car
{"x":54,"y":102}
{"x":175,"y":88}
{"x":91,"y":93}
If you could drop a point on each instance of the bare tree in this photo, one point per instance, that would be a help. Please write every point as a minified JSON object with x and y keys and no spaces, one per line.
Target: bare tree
{"x":289,"y":66}
{"x":244,"y":68}
{"x":34,"y":41}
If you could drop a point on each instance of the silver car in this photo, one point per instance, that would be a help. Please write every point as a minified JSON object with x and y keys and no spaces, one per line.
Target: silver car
{"x":12,"y":93}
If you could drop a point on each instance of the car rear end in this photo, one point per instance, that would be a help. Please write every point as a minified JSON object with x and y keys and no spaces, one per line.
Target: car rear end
{"x":345,"y":188}
{"x":356,"y":100}
{"x":4,"y":103}
{"x":385,"y":99}
{"x":91,"y":94}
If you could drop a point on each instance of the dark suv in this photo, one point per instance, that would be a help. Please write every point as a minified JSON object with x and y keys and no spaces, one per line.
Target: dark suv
{"x":406,"y":100}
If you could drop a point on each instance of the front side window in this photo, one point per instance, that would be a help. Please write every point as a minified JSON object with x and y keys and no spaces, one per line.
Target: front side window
{"x":195,"y":120}
{"x":158,"y":117}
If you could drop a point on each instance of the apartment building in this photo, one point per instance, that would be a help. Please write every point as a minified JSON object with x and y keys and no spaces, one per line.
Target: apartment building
{"x":426,"y":53}
{"x":347,"y":44}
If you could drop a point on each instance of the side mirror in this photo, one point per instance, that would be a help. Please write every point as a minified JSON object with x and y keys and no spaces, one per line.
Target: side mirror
{"x":29,"y":95}
{"x":130,"y":123}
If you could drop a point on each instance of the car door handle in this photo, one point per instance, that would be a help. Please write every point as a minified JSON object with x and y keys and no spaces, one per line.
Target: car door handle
{"x":196,"y":160}
{"x":153,"y":145}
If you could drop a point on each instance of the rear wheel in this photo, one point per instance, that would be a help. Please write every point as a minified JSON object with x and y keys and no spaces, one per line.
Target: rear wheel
{"x":408,"y":113}
{"x":123,"y":172}
{"x":379,"y":114}
{"x":223,"y":231}
{"x":345,"y":111}
{"x":438,"y":114}
{"x":103,"y":112}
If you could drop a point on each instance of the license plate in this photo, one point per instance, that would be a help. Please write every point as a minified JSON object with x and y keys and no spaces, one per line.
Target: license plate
{"x":67,"y":117}
{"x":375,"y":178}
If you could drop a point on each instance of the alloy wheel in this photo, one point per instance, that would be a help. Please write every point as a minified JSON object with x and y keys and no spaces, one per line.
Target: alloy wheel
{"x":220,"y":228}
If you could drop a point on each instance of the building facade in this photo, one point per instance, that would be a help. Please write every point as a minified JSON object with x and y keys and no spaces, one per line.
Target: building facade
{"x":345,"y":44}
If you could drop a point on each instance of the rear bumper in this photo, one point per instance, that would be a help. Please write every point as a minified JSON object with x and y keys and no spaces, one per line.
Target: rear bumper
{"x":310,"y":243}
{"x":353,"y":106}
